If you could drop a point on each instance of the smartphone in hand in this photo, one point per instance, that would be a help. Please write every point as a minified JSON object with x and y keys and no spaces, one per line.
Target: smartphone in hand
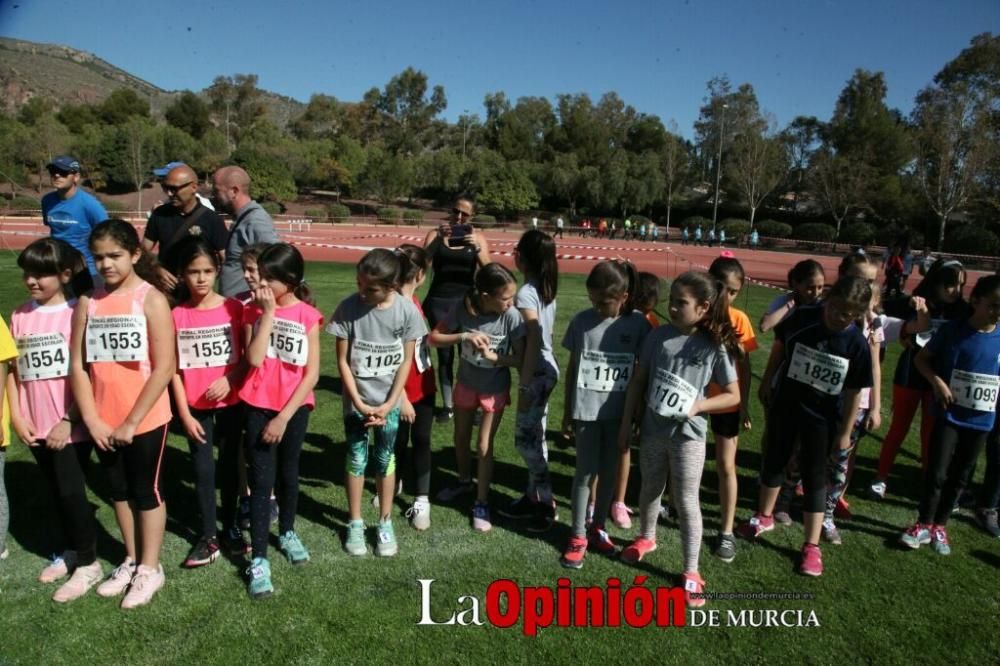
{"x":461,"y":234}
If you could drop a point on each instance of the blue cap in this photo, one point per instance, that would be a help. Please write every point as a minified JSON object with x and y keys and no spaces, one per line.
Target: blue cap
{"x":65,"y":163}
{"x":163,"y":171}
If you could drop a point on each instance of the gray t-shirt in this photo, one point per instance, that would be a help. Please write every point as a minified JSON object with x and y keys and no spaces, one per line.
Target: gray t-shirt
{"x":605,"y":351}
{"x":528,"y":298}
{"x":474,"y":371}
{"x":375,"y":338}
{"x":680,"y":368}
{"x":252,"y":225}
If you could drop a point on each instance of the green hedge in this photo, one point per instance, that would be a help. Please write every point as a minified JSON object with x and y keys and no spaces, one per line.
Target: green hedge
{"x":694,"y":221}
{"x":735,"y":227}
{"x":774,"y":229}
{"x":338,"y":212}
{"x":414,"y":216}
{"x":484,"y":219}
{"x":272,"y":207}
{"x":858,"y":233}
{"x":389,"y":214}
{"x":318,"y":214}
{"x":971,"y":239}
{"x":815,"y":231}
{"x":25,"y":203}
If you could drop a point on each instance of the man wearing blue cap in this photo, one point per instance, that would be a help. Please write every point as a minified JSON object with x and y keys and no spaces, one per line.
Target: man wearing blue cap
{"x":161,"y":174}
{"x":69,"y":211}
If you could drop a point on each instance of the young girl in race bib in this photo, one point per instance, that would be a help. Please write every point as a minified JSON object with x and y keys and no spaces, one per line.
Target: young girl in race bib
{"x":535,"y":255}
{"x":490,"y":335}
{"x":210,"y":370}
{"x":43,"y":412}
{"x":416,"y":413}
{"x":962,"y":364}
{"x":122,"y":357}
{"x":806,"y":282}
{"x":376,"y":331}
{"x":282,"y":327}
{"x":942,"y":290}
{"x":248,"y":262}
{"x":811,"y":388}
{"x":676,"y":364}
{"x":604,"y":343}
{"x":726,"y":424}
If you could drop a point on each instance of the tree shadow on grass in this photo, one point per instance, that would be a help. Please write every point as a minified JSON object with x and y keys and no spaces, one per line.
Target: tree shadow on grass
{"x":987,"y":557}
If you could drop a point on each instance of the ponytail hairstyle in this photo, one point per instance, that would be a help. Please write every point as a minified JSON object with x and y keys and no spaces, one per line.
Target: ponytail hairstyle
{"x":252,"y":252}
{"x":804,"y":270}
{"x":723,"y":267}
{"x":284,"y":263}
{"x":854,"y":292}
{"x":857,"y":258}
{"x":615,"y":277}
{"x":412,"y":259}
{"x":647,"y":291}
{"x":488,"y":280}
{"x":52,"y":256}
{"x":716,"y":324}
{"x":537,"y":252}
{"x":125,"y":236}
{"x":942,"y":273}
{"x":383,"y":267}
{"x":187,"y":251}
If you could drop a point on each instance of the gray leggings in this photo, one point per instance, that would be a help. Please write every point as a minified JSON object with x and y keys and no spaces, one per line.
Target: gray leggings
{"x":596,"y":454}
{"x":682,"y":461}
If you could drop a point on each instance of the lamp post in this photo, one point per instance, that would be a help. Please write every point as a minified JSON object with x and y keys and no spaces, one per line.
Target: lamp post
{"x":718,"y":166}
{"x":465,"y":130}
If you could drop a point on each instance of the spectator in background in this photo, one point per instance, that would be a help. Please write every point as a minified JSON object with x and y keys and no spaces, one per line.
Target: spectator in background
{"x":654,"y":232}
{"x":685,"y":236}
{"x":907,"y":256}
{"x":627,"y":229}
{"x":602,"y":228}
{"x":69,"y":211}
{"x":612,"y":230}
{"x":161,"y":173}
{"x":559,"y":227}
{"x":722,"y":237}
{"x":697,"y":235}
{"x":754,"y":239}
{"x":925,"y":261}
{"x":251,"y":224}
{"x":711,"y":237}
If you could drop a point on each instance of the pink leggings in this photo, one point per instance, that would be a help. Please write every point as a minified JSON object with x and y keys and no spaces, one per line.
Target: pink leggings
{"x":904,"y":406}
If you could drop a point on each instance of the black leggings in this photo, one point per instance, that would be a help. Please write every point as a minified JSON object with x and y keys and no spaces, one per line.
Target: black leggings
{"x":420,"y":432}
{"x":991,"y":482}
{"x":64,"y":469}
{"x":223,"y":428}
{"x":269,"y":463}
{"x":436,"y":309}
{"x":785,"y":428}
{"x":954,"y":450}
{"x":134,"y":470}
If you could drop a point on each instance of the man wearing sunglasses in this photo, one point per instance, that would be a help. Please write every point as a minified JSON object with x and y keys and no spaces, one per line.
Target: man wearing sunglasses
{"x":161,"y":173}
{"x":69,"y":211}
{"x":181,"y":217}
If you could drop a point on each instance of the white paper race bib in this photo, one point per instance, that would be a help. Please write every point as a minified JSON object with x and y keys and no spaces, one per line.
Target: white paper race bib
{"x":205,"y":347}
{"x":670,"y":396}
{"x":823,"y":372}
{"x":117,"y":339}
{"x":422,"y":356}
{"x":288,"y":342}
{"x":42,"y":356}
{"x":472,"y":354}
{"x":604,"y":372}
{"x":376,"y":359}
{"x":922,"y":339}
{"x":975,"y":390}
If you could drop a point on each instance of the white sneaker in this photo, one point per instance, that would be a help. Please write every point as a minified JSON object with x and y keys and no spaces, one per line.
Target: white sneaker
{"x":877,"y":490}
{"x":420,"y":514}
{"x":117,"y":580}
{"x":145,"y":584}
{"x":79,"y":583}
{"x":58,"y":567}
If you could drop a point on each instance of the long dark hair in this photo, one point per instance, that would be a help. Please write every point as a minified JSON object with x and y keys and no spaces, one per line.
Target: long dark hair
{"x":647,"y":288}
{"x":853,"y":291}
{"x":284,"y":263}
{"x":488,"y":279}
{"x":537,"y":251}
{"x":986,"y":285}
{"x":716,"y":323}
{"x":126,"y":237}
{"x":382,"y":267}
{"x":187,"y":251}
{"x":412,"y":260}
{"x":804,"y":270}
{"x":615,"y":277}
{"x":942,"y":273}
{"x":723,"y":267}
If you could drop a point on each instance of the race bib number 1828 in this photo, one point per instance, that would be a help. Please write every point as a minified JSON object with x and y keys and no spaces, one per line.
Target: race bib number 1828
{"x":823,"y":372}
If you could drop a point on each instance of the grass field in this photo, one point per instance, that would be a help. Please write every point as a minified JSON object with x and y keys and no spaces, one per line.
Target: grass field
{"x":875,"y":601}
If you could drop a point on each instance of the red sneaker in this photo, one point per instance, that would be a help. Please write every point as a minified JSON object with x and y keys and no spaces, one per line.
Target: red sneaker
{"x":599,"y":541}
{"x":842,"y":511}
{"x":812,"y":560}
{"x":576,"y":550}
{"x":757,"y":525}
{"x":693,"y":585}
{"x":638,"y":550}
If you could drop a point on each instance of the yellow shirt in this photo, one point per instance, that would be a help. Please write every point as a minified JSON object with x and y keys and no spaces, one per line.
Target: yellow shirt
{"x":8,"y":352}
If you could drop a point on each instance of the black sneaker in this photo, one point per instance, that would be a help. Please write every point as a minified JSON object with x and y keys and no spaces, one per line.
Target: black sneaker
{"x":522,"y":508}
{"x":987,"y":519}
{"x":544,"y":518}
{"x":204,"y":552}
{"x":243,"y":517}
{"x":444,"y":415}
{"x":234,"y":541}
{"x":274,"y":511}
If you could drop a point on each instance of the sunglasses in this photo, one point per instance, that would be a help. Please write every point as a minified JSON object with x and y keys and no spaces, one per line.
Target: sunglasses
{"x":174,"y":189}
{"x":60,"y":172}
{"x":460,"y":213}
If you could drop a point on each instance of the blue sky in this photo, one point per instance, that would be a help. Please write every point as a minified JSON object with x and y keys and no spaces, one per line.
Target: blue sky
{"x":658,"y":56}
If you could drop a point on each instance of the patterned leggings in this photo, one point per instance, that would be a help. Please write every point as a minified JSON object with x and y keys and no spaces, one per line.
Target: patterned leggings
{"x":529,"y":438}
{"x":357,"y":443}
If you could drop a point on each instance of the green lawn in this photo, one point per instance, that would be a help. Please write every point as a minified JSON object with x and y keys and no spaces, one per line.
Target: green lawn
{"x":874,"y":602}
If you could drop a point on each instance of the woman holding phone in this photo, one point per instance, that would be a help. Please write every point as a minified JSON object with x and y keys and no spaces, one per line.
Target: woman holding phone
{"x":456,"y":251}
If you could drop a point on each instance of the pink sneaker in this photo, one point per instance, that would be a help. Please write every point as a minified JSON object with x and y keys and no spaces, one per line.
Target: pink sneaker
{"x":812,"y":560}
{"x":117,"y":580}
{"x":619,"y":516}
{"x":144,"y":585}
{"x":638,"y":550}
{"x":599,"y":541}
{"x":757,"y":525}
{"x":693,"y":585}
{"x":58,"y":567}
{"x":79,"y":583}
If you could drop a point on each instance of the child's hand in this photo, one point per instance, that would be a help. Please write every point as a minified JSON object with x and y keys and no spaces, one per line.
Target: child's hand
{"x":100,"y":432}
{"x":122,"y":435}
{"x":942,"y":392}
{"x":274,"y":430}
{"x":406,"y":411}
{"x":745,"y":418}
{"x":264,"y":298}
{"x":24,"y":429}
{"x":193,"y":429}
{"x":695,"y":409}
{"x":764,"y":394}
{"x":59,"y":435}
{"x":874,"y":420}
{"x":919,"y":304}
{"x":219,"y":389}
{"x":374,"y":422}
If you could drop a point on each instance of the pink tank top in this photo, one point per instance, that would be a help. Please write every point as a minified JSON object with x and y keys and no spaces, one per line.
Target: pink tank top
{"x":209,"y":345}
{"x":116,"y":345}
{"x":271,"y":385}
{"x":44,"y":393}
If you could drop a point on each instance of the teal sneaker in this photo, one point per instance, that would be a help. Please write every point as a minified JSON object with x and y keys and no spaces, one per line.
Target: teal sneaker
{"x":355,"y":543}
{"x":260,"y":578}
{"x":386,"y":546}
{"x":292,"y":547}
